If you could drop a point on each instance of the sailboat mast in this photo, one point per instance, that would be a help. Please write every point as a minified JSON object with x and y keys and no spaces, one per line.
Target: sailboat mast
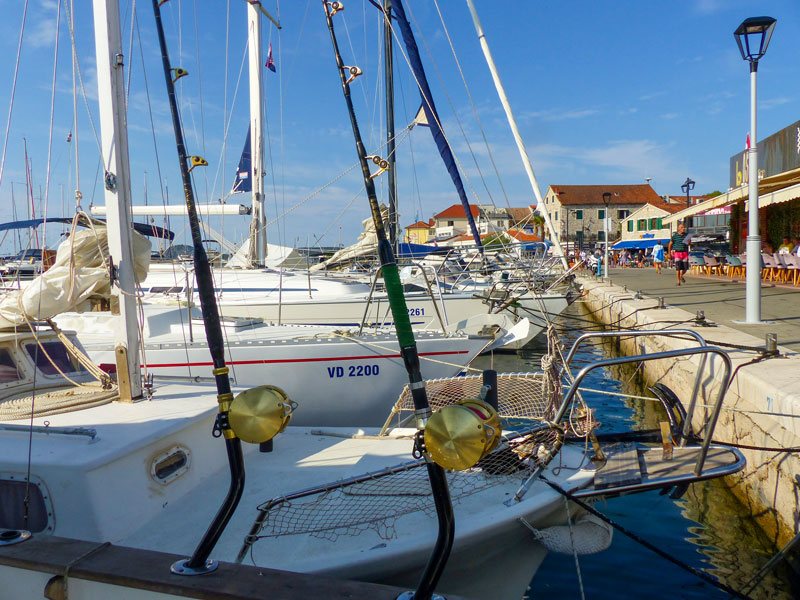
{"x":258,"y":232}
{"x":114,"y":133}
{"x":388,"y":73}
{"x":517,"y":137}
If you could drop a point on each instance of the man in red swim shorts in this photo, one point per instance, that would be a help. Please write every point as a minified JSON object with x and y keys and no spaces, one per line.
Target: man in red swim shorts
{"x":680,"y":252}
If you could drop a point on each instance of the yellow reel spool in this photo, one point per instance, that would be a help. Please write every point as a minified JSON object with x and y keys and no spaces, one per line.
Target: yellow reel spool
{"x":460,"y":435}
{"x":259,"y":414}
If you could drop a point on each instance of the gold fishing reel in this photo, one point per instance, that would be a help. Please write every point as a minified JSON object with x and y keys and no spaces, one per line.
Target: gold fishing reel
{"x":460,"y":435}
{"x":259,"y":414}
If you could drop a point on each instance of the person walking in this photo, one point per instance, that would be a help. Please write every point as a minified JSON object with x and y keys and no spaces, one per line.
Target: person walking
{"x":680,"y":253}
{"x":658,"y":257}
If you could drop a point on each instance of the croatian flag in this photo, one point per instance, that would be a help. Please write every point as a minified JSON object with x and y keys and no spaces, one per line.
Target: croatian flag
{"x":270,"y":63}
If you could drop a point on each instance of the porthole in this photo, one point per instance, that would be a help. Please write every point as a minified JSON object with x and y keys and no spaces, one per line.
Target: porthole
{"x":167,"y":467}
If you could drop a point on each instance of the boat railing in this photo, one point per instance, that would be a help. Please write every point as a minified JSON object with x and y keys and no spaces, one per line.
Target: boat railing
{"x":441,"y":315}
{"x":650,"y":333}
{"x":703,"y":351}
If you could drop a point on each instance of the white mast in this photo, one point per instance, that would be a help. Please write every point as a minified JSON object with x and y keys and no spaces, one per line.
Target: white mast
{"x":113,"y":127}
{"x":520,"y":144}
{"x":258,"y":232}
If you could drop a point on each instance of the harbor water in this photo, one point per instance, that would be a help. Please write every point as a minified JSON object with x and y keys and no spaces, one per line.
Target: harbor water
{"x":709,"y":529}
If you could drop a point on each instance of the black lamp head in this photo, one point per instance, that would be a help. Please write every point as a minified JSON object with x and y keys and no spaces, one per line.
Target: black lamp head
{"x":606,"y":198}
{"x":687,"y":186}
{"x":753,"y":37}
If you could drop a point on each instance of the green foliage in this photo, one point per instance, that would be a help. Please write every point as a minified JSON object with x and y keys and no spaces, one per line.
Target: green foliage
{"x":495,"y":241}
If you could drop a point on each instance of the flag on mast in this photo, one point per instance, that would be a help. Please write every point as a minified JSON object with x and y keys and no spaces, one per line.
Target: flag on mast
{"x":270,"y":62}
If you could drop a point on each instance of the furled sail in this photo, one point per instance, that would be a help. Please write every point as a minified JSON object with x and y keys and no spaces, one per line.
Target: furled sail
{"x":79,"y":275}
{"x":432,"y":116}
{"x":243,"y":182}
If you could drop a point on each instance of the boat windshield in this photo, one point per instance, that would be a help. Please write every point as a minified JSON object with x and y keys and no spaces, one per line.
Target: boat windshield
{"x":9,"y":370}
{"x":52,"y":358}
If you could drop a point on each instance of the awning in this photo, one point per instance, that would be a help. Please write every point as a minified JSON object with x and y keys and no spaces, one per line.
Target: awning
{"x":765,"y":197}
{"x":637,"y":244}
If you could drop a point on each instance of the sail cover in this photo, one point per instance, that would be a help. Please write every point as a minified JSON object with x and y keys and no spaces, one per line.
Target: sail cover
{"x":432,"y":116}
{"x":78,"y":275}
{"x":243,"y":181}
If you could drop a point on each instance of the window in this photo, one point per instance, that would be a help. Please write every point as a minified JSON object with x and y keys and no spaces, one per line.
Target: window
{"x":601,"y":213}
{"x":641,"y":225}
{"x":699,"y":221}
{"x":579,"y":214}
{"x":555,"y":215}
{"x":659,"y":224}
{"x":653,"y":223}
{"x":601,"y":235}
{"x":19,"y":498}
{"x":623,"y":214}
{"x":9,"y":371}
{"x":630,"y":225}
{"x":451,"y":223}
{"x":52,"y":358}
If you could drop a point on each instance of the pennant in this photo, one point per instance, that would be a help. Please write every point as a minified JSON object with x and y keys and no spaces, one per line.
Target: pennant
{"x":270,"y":62}
{"x":747,"y":143}
{"x":421,"y":119}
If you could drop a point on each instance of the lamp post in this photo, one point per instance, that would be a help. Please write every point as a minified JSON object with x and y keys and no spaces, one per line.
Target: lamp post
{"x":753,"y":37}
{"x":687,"y":187}
{"x":606,"y":201}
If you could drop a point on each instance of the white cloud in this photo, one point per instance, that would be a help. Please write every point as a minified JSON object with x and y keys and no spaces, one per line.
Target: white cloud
{"x":774,"y":102}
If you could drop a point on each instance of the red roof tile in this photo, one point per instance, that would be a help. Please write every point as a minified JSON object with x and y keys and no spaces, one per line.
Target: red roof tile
{"x":593,"y":194}
{"x":419,"y":225}
{"x":456,"y":211}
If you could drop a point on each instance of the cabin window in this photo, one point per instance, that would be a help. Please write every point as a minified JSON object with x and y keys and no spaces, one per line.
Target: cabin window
{"x":22,"y":506}
{"x":167,"y":467}
{"x":52,"y":358}
{"x":166,"y":290}
{"x":9,"y":370}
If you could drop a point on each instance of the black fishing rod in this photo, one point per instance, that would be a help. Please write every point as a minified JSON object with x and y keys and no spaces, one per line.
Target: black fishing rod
{"x":199,"y":561}
{"x":405,"y":337}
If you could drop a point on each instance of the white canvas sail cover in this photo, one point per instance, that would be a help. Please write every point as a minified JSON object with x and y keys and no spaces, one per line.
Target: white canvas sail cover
{"x":78,"y":276}
{"x":367,"y":244}
{"x":277,"y":256}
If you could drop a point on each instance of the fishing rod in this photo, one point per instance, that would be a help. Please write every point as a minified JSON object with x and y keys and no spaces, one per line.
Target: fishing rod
{"x":199,"y":561}
{"x":405,"y":337}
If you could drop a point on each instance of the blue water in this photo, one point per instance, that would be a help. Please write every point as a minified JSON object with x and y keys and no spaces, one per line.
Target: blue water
{"x":708,"y":529}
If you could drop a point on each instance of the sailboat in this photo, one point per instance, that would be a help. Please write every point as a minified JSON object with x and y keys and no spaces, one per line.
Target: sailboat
{"x":142,"y":474}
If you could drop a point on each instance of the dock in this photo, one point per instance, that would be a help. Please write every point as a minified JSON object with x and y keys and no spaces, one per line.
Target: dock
{"x":47,"y":566}
{"x":762,"y":408}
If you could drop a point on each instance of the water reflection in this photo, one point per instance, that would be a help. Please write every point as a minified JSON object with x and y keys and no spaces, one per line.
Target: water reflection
{"x":709,"y":528}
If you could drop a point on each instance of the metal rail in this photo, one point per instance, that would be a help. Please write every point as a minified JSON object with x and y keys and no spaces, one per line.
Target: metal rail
{"x":702,"y":350}
{"x":649,"y":333}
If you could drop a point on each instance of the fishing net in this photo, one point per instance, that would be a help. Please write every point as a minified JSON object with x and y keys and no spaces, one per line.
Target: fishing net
{"x":375,"y":501}
{"x":519,"y":396}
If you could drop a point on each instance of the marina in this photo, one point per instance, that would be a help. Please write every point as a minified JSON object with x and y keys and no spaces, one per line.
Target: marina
{"x":489,"y":403}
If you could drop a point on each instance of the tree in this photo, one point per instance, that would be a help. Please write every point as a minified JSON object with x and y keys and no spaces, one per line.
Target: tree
{"x":538,"y":225}
{"x":495,"y":241}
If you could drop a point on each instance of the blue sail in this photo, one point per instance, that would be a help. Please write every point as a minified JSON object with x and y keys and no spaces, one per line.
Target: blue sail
{"x":243,"y":181}
{"x":432,"y":116}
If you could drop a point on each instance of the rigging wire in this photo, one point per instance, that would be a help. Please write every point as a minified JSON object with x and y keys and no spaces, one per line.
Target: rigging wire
{"x":13,"y":90}
{"x":50,"y":132}
{"x":472,"y":103}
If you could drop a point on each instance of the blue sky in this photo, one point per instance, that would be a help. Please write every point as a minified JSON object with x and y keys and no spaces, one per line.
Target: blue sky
{"x":604,"y":92}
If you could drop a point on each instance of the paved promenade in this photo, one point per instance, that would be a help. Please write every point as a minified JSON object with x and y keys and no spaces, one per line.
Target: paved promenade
{"x":722,"y":300}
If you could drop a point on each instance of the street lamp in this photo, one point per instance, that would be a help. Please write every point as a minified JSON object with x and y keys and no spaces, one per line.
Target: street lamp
{"x":687,"y":187}
{"x":753,"y":37}
{"x":606,"y":201}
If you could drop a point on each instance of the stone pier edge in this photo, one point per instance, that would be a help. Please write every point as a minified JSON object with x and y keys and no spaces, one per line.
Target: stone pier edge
{"x":761,"y":408}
